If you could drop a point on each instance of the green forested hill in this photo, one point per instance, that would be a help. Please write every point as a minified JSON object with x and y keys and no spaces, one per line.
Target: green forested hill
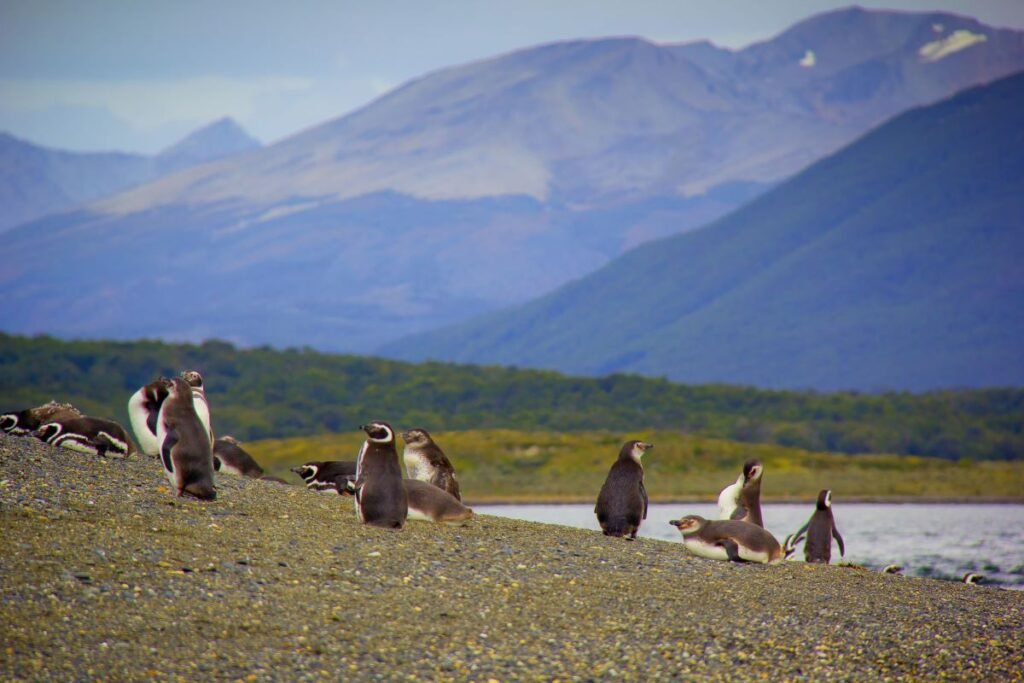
{"x":263,"y":393}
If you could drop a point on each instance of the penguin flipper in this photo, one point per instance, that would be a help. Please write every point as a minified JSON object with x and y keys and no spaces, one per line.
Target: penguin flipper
{"x":839,"y":540}
{"x":643,"y":492}
{"x":732,"y":550}
{"x":170,"y":439}
{"x":739,"y":513}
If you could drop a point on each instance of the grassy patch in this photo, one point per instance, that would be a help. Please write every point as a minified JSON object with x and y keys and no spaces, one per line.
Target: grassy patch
{"x":538,"y":466}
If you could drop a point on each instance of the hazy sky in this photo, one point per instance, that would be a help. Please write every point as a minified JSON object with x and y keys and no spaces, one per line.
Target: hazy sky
{"x":136,"y":75}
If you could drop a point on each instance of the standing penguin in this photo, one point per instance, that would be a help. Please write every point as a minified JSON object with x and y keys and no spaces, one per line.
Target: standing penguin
{"x":195,"y":380}
{"x":185,"y":448}
{"x":742,"y":500}
{"x":143,"y":411}
{"x":730,"y":539}
{"x":820,"y":529}
{"x":380,"y":495}
{"x":622,"y":503}
{"x":425,"y":461}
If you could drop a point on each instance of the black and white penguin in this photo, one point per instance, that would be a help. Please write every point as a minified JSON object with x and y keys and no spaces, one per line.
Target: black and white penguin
{"x":195,"y":380}
{"x":431,"y":504}
{"x":26,"y":422}
{"x":742,"y":500}
{"x":730,"y":539}
{"x":622,"y":502}
{"x":185,"y":448}
{"x":972,"y":579}
{"x":327,"y":475}
{"x":143,"y":411}
{"x":91,"y":435}
{"x":230,"y":458}
{"x":380,"y":494}
{"x":821,"y":529}
{"x":424,"y":460}
{"x":892,"y":569}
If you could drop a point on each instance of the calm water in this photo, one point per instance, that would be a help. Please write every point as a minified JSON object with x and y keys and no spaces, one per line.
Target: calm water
{"x":939,"y":541}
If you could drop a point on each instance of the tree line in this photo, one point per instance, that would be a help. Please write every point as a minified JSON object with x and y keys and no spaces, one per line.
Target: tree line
{"x":265,"y":393}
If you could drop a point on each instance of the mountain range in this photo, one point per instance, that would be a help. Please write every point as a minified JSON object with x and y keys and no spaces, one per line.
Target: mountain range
{"x":479,"y":186}
{"x":36,"y":181}
{"x":893,"y":264}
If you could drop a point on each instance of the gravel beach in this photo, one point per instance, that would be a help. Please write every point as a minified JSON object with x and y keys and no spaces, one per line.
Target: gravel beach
{"x":105,"y":575}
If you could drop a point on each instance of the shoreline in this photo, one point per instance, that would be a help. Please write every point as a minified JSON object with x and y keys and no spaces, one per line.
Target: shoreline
{"x":104,"y":574}
{"x":881,"y":500}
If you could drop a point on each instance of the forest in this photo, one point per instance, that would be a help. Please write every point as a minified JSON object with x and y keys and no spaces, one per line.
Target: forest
{"x":264,"y":393}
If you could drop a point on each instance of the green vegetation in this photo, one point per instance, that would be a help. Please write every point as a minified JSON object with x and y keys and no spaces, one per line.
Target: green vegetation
{"x":536,"y":466}
{"x":262,"y":393}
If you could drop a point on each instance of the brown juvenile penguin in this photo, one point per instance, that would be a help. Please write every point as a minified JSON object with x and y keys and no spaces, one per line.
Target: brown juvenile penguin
{"x":742,"y":500}
{"x":185,"y":448}
{"x":622,"y":502}
{"x":424,"y":460}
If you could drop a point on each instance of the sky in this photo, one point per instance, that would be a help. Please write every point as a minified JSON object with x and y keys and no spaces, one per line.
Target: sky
{"x":137,"y":75}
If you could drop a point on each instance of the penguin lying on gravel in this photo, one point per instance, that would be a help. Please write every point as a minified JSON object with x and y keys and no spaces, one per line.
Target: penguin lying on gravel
{"x":90,"y":435}
{"x":327,"y":475}
{"x":230,"y":458}
{"x":728,"y":540}
{"x":25,"y":422}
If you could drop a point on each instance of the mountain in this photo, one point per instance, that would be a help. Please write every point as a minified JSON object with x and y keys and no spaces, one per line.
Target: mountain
{"x":894,"y":263}
{"x":479,"y":186}
{"x":36,"y":181}
{"x":222,"y":138}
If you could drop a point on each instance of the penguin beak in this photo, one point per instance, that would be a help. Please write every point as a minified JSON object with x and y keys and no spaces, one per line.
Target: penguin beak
{"x":674,"y":522}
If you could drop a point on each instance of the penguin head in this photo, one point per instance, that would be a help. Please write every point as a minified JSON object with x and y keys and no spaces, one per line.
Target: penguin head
{"x":752,"y":470}
{"x":973,"y":579}
{"x":179,"y":388}
{"x":892,"y":569}
{"x":634,"y":450}
{"x":690,"y":524}
{"x":48,"y":431}
{"x":307,"y":471}
{"x":378,"y":432}
{"x":416,"y":437}
{"x":193,"y":378}
{"x":824,"y":499}
{"x":8,"y":422}
{"x":228,"y":439}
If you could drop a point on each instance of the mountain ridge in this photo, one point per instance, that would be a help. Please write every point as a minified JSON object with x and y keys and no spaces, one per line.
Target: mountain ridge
{"x":593,"y":325}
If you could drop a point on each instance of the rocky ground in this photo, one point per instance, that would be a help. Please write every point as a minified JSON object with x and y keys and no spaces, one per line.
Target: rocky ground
{"x":105,"y":575}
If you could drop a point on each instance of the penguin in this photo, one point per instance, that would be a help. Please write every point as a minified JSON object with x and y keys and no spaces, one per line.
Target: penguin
{"x":143,"y":411}
{"x":622,"y":502}
{"x":380,"y":494}
{"x":230,"y":458}
{"x":90,"y":435}
{"x":821,"y":529}
{"x":425,"y":461}
{"x":742,"y":500}
{"x":25,"y":422}
{"x":972,"y":579}
{"x":892,"y":569}
{"x":327,"y":475}
{"x":195,"y":380}
{"x":431,"y":504}
{"x":731,"y":539}
{"x":185,"y":448}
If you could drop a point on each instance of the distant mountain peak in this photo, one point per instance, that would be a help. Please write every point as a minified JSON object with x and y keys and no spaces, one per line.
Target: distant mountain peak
{"x":221,"y":138}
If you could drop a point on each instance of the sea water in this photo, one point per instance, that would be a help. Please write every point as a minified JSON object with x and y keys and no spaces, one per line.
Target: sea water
{"x":941,"y":541}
